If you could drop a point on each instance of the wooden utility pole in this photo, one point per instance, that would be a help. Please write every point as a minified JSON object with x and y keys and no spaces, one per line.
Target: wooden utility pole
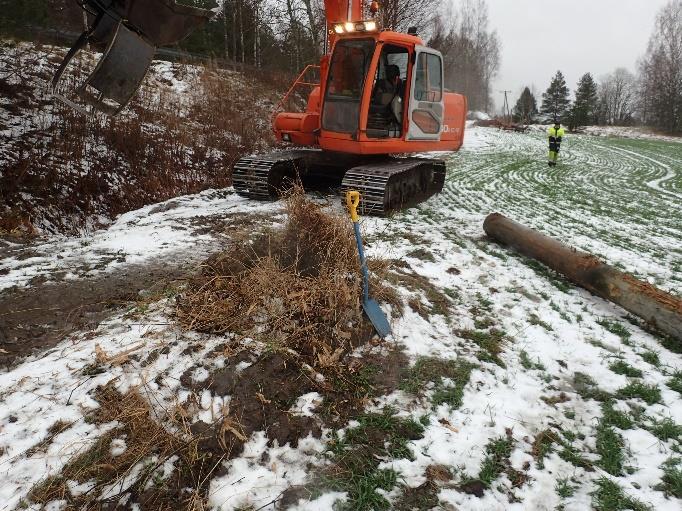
{"x":656,"y":307}
{"x":506,"y":112}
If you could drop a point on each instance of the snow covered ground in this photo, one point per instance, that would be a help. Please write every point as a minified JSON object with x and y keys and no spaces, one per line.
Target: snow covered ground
{"x":156,"y":232}
{"x":632,"y":132}
{"x":63,"y":172}
{"x":627,"y":132}
{"x":564,"y":397}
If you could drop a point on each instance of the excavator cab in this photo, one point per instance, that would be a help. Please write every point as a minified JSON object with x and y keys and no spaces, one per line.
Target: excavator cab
{"x":381,"y":92}
{"x":129,"y":32}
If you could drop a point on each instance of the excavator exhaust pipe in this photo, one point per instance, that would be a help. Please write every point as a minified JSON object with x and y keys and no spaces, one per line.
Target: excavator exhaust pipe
{"x":130,"y":31}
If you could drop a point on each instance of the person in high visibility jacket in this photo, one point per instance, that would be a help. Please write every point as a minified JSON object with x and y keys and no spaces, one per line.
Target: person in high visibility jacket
{"x":555,"y":134}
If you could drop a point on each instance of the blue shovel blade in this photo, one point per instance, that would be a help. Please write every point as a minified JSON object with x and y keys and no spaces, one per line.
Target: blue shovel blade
{"x":377,"y":317}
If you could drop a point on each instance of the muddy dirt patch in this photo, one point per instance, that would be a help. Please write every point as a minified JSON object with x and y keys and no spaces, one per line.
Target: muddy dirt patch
{"x":38,"y":317}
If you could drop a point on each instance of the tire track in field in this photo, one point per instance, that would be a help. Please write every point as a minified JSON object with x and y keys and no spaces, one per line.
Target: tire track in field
{"x":657,"y":180}
{"x":618,"y":199}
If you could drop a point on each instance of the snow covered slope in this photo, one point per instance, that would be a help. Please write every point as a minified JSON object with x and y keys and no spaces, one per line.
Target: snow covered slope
{"x":64,"y":172}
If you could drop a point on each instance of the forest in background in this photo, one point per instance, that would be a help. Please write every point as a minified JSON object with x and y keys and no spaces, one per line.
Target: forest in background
{"x":286,"y":35}
{"x":650,"y":97}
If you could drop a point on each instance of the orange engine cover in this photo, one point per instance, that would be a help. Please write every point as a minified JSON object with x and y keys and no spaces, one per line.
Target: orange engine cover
{"x":297,"y":128}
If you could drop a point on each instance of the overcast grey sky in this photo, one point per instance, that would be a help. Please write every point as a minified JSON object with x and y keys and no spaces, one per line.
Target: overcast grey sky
{"x":577,"y":36}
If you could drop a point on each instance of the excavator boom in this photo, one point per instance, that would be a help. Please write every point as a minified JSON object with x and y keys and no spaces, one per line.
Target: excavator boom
{"x":338,"y":11}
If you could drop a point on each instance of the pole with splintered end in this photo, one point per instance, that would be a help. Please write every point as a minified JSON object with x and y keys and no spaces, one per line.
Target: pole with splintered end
{"x":660,"y":309}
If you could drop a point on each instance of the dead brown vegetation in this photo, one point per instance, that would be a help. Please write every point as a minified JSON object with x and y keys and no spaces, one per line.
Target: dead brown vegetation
{"x":63,"y":169}
{"x":297,"y":288}
{"x":138,"y":469}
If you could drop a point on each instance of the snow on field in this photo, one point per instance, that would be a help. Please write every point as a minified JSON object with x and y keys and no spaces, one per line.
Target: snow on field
{"x":547,"y":399}
{"x":153,"y":233}
{"x":619,"y":199}
{"x":628,"y":132}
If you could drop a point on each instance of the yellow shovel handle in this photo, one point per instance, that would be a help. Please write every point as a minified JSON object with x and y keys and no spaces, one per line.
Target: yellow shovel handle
{"x":352,"y":201}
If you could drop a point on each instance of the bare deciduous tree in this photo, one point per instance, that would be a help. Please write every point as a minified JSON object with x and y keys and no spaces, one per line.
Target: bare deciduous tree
{"x":400,"y":15}
{"x":471,"y":51}
{"x":617,"y":98}
{"x":661,"y":71}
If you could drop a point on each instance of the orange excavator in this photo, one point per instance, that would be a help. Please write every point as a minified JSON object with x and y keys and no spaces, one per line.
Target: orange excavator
{"x":380,"y":96}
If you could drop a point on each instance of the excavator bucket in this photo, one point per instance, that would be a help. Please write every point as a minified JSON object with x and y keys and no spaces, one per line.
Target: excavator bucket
{"x":130,"y":31}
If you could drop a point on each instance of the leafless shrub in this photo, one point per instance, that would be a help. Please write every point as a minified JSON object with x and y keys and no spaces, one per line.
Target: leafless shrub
{"x":63,"y":169}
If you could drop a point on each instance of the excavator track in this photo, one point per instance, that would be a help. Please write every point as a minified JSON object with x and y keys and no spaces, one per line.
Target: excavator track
{"x":391,"y":185}
{"x":386,"y":185}
{"x":264,"y":177}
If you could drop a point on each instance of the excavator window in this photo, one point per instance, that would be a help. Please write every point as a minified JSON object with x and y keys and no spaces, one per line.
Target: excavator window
{"x":428,"y":84}
{"x":388,"y":93}
{"x":347,"y":72}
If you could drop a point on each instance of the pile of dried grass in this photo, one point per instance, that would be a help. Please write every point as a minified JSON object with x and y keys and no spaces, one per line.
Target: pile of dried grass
{"x":297,"y":288}
{"x":137,"y":469}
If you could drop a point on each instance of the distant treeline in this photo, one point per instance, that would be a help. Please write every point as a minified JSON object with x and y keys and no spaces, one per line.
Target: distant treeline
{"x":288,"y":34}
{"x":652,"y":97}
{"x":246,"y":32}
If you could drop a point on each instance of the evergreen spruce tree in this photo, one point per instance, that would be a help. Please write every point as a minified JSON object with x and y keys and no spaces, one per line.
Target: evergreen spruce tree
{"x":555,"y":102}
{"x":586,"y":105}
{"x":526,"y":107}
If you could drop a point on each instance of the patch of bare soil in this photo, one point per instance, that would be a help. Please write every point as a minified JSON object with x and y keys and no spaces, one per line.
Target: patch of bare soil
{"x":36,"y":318}
{"x":261,"y":398}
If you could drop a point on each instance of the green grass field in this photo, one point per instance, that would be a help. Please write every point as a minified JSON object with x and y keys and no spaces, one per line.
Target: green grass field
{"x":618,"y":198}
{"x":563,"y":377}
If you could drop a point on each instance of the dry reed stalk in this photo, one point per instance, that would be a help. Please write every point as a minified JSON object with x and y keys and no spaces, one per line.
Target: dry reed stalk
{"x":148,"y":443}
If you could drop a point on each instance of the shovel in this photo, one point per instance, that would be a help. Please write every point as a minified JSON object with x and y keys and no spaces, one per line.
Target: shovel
{"x":370,"y":306}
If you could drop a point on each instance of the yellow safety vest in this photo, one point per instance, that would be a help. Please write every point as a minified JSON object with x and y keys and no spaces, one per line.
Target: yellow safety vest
{"x":555,"y":133}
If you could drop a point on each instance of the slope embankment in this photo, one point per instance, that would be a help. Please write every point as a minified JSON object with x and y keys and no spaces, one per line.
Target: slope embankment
{"x":64,"y":172}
